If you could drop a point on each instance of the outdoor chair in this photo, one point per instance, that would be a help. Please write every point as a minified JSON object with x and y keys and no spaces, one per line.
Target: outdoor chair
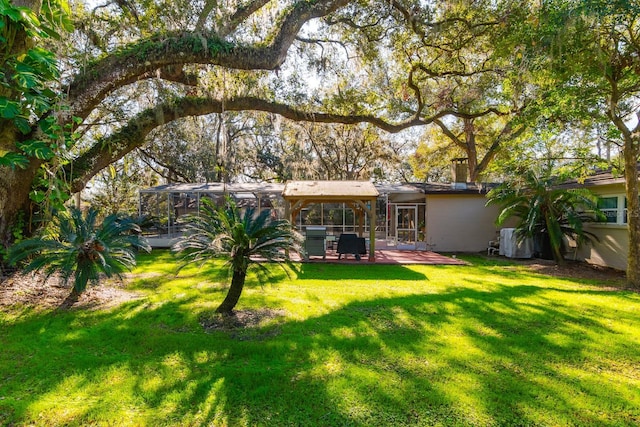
{"x":351,"y":244}
{"x":494,"y":247}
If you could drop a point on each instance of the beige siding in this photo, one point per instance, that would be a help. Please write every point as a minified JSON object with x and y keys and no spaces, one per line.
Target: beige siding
{"x":613,"y":247}
{"x":611,"y":250}
{"x":459,"y":223}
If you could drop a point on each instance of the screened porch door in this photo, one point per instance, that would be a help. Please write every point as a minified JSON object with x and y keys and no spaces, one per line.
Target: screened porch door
{"x":406,"y":226}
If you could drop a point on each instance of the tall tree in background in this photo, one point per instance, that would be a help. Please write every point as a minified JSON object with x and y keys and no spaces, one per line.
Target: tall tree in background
{"x":277,"y":155}
{"x":473,"y":81}
{"x":593,"y":51}
{"x":347,"y":152}
{"x":115,"y":189}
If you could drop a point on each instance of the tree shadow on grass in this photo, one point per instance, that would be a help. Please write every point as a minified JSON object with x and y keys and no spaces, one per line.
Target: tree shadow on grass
{"x":310,"y":271}
{"x":460,"y":357}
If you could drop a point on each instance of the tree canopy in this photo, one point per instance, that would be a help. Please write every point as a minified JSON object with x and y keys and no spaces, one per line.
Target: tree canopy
{"x":127,"y":69}
{"x":83,"y":86}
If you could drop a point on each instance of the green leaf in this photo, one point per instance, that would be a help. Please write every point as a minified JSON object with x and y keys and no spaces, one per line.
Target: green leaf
{"x":38,"y":196}
{"x":58,"y":15}
{"x":26,"y":77}
{"x":38,"y":103}
{"x":12,"y":13}
{"x":37,"y":149}
{"x":22,"y":124}
{"x":48,"y":93}
{"x":12,"y":160}
{"x":46,"y":59}
{"x":31,"y":21}
{"x":9,"y":109}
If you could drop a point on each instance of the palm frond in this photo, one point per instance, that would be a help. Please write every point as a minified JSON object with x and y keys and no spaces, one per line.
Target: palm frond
{"x":246,"y":238}
{"x":77,"y":246}
{"x":540,"y":207}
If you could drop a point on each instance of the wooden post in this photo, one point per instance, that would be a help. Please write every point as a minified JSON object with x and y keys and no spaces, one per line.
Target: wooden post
{"x":372,"y":231}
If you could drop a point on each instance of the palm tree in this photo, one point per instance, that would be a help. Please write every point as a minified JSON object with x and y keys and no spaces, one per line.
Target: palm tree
{"x":545,"y":209}
{"x":76,"y":246}
{"x":246,"y":238}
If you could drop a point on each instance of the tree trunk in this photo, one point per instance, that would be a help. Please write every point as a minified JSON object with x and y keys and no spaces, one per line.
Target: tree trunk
{"x":631,"y":153}
{"x":15,"y":185}
{"x":472,"y":150}
{"x":555,"y":243}
{"x":237,"y":284}
{"x":70,"y":300}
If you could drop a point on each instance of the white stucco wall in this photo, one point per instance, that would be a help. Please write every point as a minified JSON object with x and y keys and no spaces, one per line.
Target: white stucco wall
{"x":459,"y":222}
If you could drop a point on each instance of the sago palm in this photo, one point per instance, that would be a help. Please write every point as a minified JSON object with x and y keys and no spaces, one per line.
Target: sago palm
{"x":76,"y":246}
{"x":541,"y":207}
{"x":246,"y":238}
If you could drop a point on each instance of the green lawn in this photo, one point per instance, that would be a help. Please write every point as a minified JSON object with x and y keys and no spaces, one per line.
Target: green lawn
{"x":489,"y":344}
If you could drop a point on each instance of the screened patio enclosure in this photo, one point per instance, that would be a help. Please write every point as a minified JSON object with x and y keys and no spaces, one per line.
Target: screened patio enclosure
{"x":399,"y":211}
{"x":165,"y":205}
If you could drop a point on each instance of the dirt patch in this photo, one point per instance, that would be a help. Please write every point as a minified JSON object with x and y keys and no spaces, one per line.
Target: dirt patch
{"x":574,"y":270}
{"x":240,"y":319}
{"x":31,"y":290}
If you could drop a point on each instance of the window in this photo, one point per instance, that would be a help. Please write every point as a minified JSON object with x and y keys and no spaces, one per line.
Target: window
{"x":615,"y":208}
{"x":609,"y":206}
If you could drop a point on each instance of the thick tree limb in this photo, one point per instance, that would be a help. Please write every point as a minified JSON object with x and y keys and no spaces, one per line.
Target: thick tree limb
{"x":236,"y":18}
{"x":133,"y":135}
{"x":134,"y":61}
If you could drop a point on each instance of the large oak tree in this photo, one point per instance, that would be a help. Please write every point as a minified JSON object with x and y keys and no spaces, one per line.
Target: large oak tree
{"x":101,"y":107}
{"x":591,"y":50}
{"x":131,"y":67}
{"x":175,"y":53}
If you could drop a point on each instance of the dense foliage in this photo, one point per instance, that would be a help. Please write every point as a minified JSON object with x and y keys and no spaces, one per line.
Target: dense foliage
{"x":483,"y":77}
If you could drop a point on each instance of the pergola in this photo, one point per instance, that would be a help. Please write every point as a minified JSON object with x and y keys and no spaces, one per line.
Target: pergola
{"x":358,"y":195}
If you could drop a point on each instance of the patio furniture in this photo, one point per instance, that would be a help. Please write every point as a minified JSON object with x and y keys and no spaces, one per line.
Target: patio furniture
{"x":351,"y":244}
{"x":315,"y":242}
{"x":494,"y":247}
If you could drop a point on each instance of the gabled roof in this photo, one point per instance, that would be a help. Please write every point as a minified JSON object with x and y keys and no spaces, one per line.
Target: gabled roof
{"x":333,"y":190}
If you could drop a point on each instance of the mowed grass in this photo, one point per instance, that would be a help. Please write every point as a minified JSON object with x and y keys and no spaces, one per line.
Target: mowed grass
{"x":488,"y":344}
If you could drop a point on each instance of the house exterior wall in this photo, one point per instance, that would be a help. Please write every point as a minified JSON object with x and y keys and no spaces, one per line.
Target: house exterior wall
{"x":610,"y":251}
{"x":459,"y":222}
{"x":613,"y":246}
